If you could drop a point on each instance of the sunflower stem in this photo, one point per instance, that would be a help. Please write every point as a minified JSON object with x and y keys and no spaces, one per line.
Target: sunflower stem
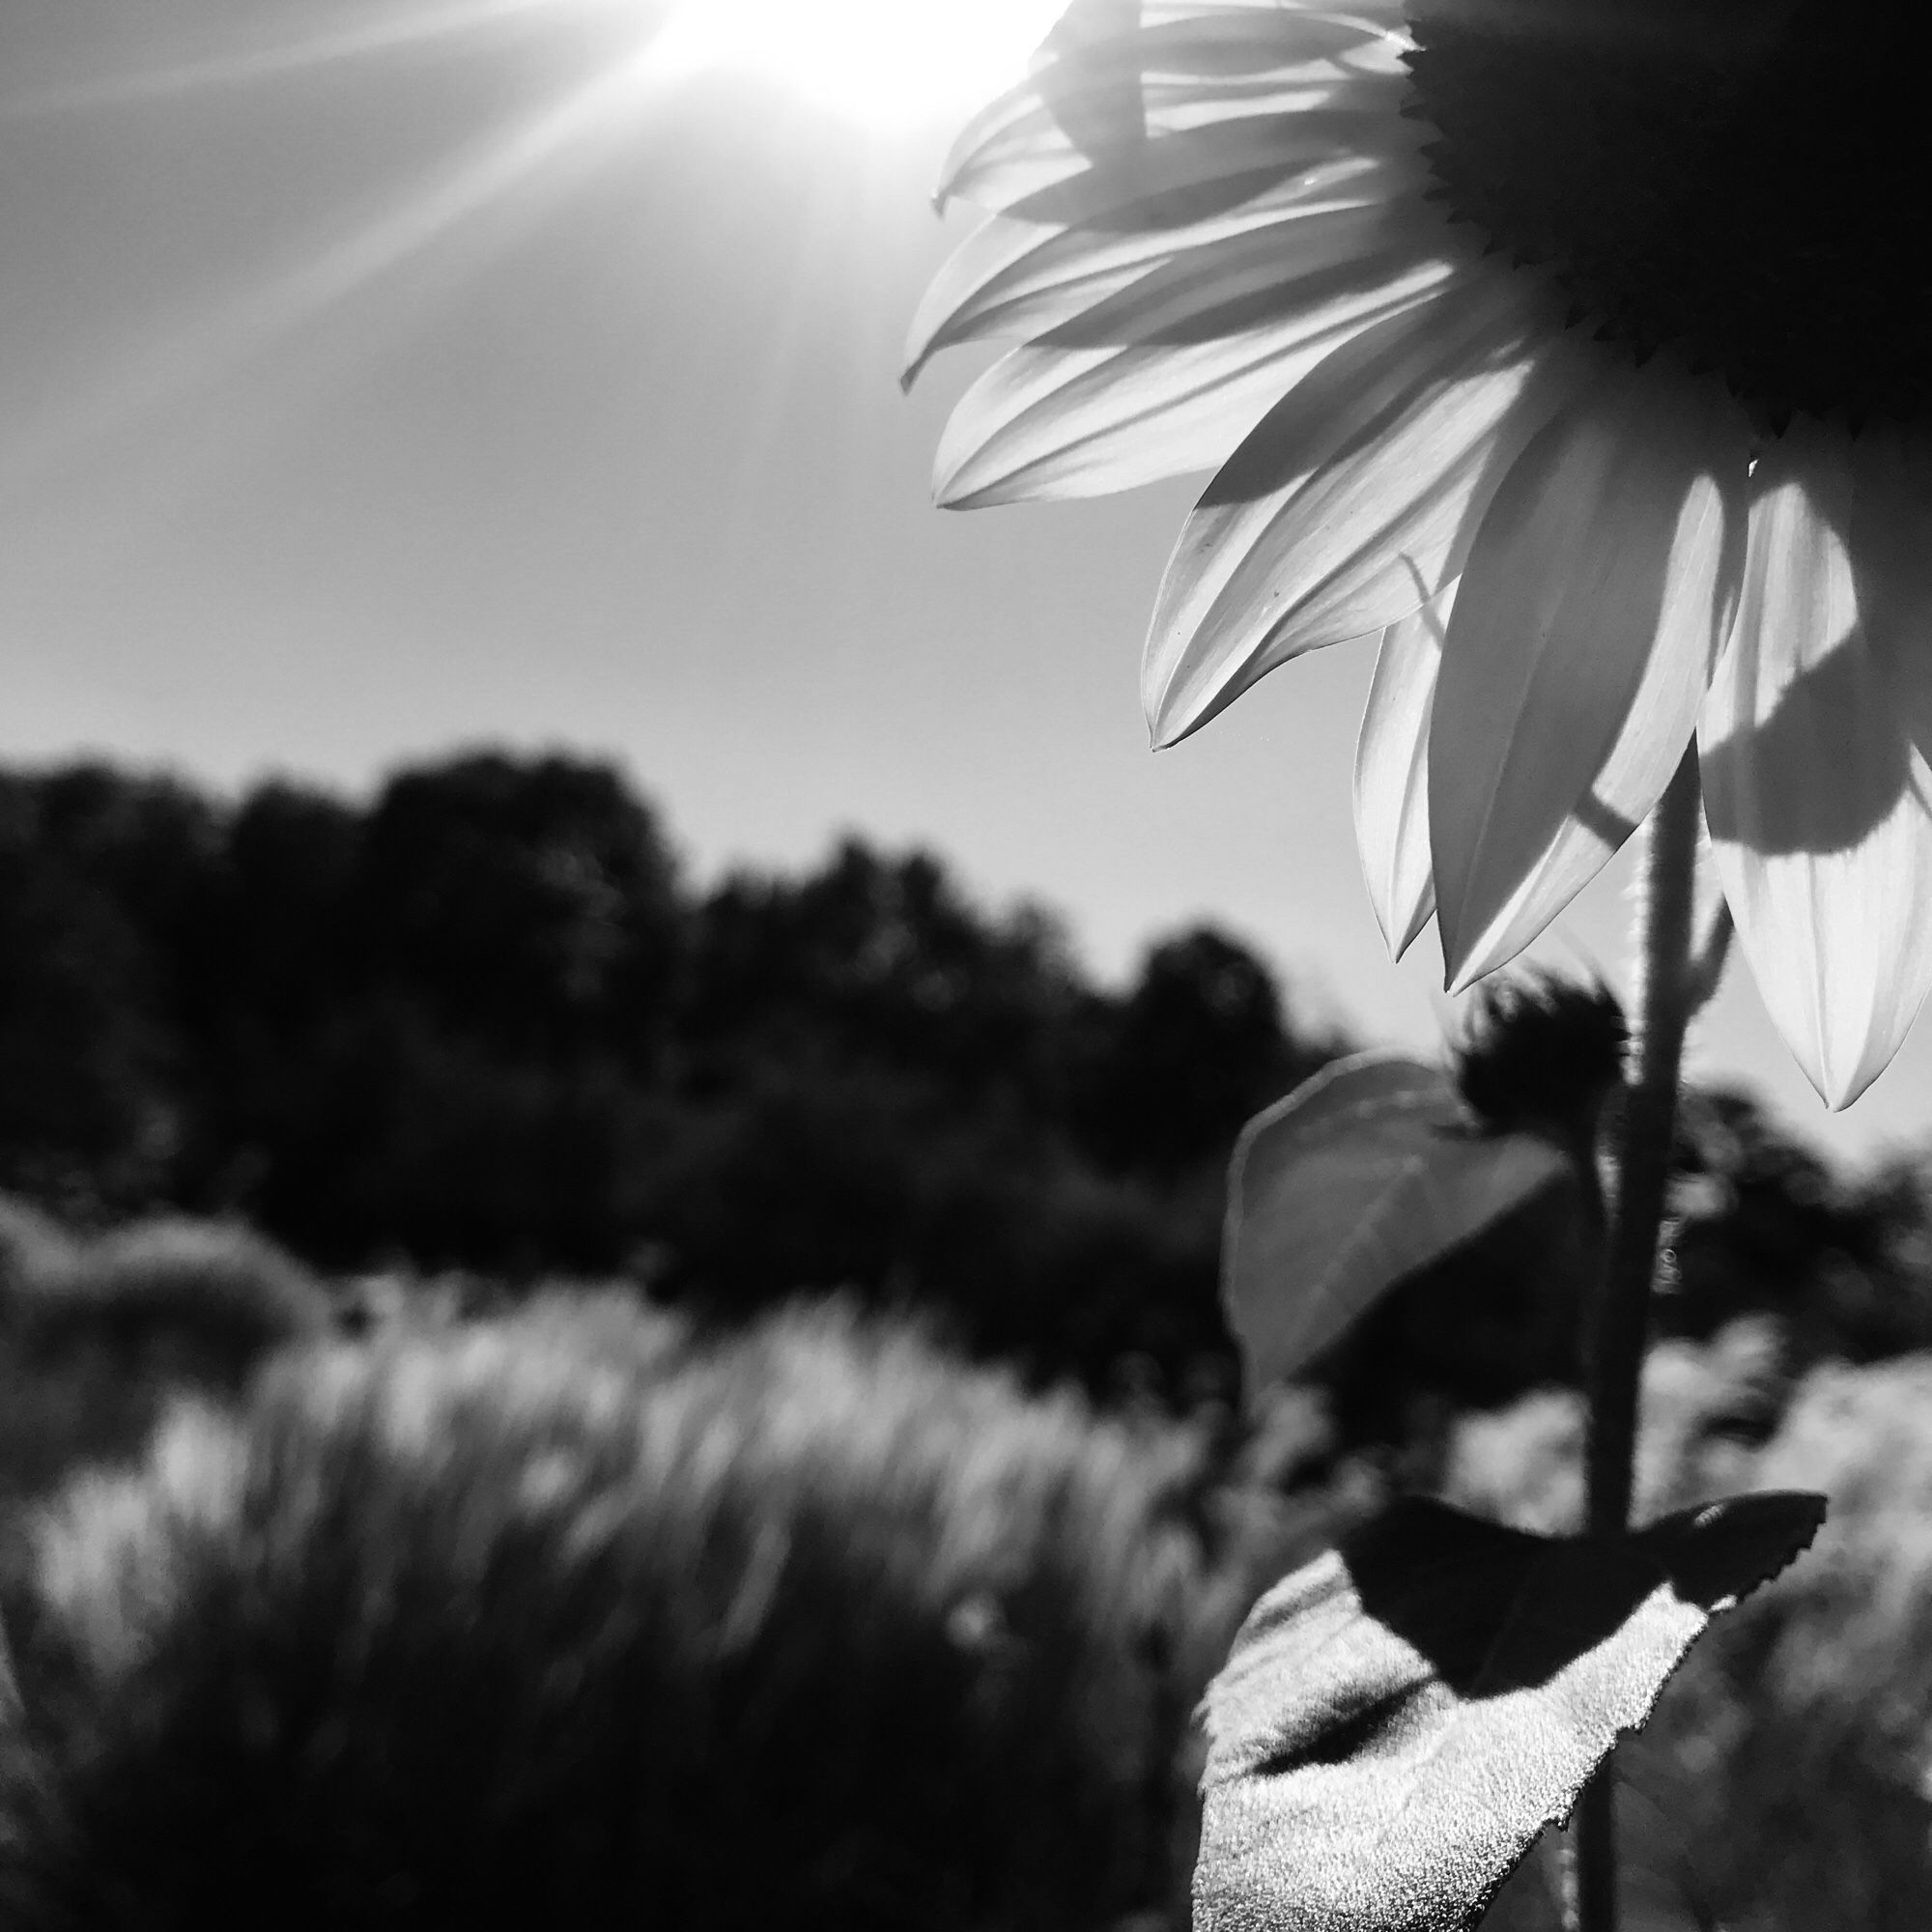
{"x":1669,"y":991}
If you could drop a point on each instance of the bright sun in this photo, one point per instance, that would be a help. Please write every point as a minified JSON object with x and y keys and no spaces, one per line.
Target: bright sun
{"x":880,"y":62}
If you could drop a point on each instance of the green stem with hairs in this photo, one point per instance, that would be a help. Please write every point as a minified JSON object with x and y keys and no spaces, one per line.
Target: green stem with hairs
{"x":1668,"y":994}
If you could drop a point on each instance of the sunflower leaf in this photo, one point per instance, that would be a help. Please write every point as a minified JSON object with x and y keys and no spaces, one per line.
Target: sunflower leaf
{"x":1400,"y":1719}
{"x":1371,"y":1170}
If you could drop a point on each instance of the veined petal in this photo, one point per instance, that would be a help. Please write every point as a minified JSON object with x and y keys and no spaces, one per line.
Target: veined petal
{"x":1168,"y":375}
{"x":1099,"y":95}
{"x":1891,"y":568}
{"x":1392,"y":773}
{"x":1014,"y":276}
{"x":1819,"y":802}
{"x":1353,"y":498}
{"x":1596,"y":595}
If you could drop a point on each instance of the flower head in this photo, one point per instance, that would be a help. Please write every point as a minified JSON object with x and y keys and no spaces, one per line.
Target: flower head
{"x":1574,"y":349}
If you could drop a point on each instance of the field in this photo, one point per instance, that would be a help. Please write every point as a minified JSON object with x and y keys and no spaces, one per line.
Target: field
{"x":989,"y":1610}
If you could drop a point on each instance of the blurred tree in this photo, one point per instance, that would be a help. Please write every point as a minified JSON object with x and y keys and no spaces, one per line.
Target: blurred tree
{"x":477,"y":1023}
{"x":1765,"y":1227}
{"x":855,"y":1179}
{"x":102,"y":878}
{"x":880,"y":961}
{"x":413,"y":1143}
{"x":261,"y":977}
{"x":531,"y":902}
{"x":1199,"y":1045}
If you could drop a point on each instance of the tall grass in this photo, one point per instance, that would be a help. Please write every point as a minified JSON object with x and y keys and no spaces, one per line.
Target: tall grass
{"x":578,"y":1619}
{"x":97,"y":1336}
{"x":578,"y":1604}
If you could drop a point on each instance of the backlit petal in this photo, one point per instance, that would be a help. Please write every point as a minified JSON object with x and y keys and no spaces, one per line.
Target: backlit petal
{"x":1818,"y":800}
{"x":1099,"y":96}
{"x":1892,"y":566}
{"x":1019,"y":273}
{"x":1355,"y":497}
{"x":1168,"y":375}
{"x":1596,"y":598}
{"x":1392,"y":774}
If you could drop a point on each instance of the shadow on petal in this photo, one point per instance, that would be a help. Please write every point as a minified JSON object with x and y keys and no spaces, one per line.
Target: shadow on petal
{"x":1857,"y":776}
{"x":1602,"y":820}
{"x":1181,"y":180}
{"x":1102,"y":123}
{"x":1596,"y":596}
{"x":1318,"y":264}
{"x":1474,"y":339}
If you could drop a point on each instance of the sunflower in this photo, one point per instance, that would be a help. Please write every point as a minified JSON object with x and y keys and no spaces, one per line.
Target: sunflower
{"x":1574,"y":348}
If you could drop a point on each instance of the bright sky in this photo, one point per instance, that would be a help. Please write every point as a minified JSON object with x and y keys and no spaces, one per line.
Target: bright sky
{"x":380,"y":375}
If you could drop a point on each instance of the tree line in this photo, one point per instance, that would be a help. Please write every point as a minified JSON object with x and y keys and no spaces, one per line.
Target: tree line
{"x":482,"y":1020}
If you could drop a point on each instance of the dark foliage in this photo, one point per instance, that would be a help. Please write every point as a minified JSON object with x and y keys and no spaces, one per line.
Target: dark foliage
{"x":103,"y":880}
{"x":1765,"y":1228}
{"x":480,"y":1022}
{"x":1542,"y":1052}
{"x":1198,"y":1042}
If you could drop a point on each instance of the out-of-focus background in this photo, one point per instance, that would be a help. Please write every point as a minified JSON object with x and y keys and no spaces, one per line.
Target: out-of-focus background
{"x":509,"y":783}
{"x":383,"y":375}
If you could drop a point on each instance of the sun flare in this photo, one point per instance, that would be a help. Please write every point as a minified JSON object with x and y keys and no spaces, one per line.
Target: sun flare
{"x":876,"y":62}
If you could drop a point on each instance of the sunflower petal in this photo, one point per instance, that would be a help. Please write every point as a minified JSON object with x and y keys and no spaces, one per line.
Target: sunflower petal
{"x":1891,"y":572}
{"x":1818,"y":800}
{"x":1102,"y":93}
{"x":1170,"y":373}
{"x":1596,"y":598}
{"x":1350,"y":502}
{"x":1019,"y":273}
{"x":1392,"y":774}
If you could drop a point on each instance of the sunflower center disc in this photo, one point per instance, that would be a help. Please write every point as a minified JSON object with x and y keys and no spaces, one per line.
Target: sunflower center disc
{"x":1748,"y":180}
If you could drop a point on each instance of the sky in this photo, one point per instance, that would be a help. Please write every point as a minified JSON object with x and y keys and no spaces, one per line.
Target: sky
{"x":376,"y":379}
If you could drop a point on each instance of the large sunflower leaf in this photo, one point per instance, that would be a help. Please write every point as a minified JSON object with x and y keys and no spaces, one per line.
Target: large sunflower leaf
{"x":1371,"y":1170}
{"x":1661,"y":1882}
{"x":1400,"y":1719}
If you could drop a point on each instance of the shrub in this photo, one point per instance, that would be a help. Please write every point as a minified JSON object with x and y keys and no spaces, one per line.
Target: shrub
{"x":102,"y":1334}
{"x":571,"y":1619}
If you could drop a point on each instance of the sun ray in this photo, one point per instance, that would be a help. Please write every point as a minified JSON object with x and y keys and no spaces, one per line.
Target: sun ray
{"x":276,"y":61}
{"x":872,"y":63}
{"x":174,"y":361}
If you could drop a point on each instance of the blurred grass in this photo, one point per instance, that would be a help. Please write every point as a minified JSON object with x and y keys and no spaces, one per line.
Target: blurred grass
{"x":1784,"y":1786}
{"x":97,"y":1336}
